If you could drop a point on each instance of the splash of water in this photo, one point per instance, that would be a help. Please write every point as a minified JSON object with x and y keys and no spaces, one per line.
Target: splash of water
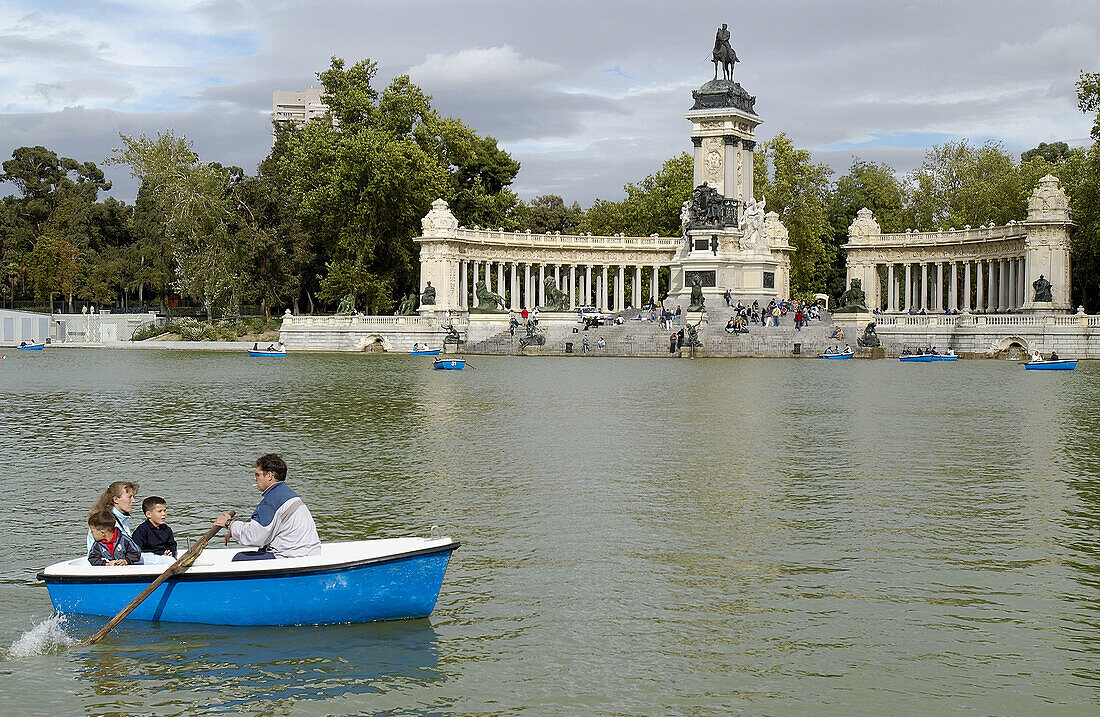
{"x":46,"y":637}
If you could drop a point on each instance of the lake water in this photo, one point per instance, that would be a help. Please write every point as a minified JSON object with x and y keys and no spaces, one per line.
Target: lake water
{"x":639,"y":536}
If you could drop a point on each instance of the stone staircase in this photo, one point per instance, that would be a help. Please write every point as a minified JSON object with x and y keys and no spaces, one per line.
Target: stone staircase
{"x":649,"y":338}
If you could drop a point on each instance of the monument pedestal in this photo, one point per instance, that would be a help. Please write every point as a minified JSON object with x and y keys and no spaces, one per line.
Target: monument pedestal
{"x":1041,"y":307}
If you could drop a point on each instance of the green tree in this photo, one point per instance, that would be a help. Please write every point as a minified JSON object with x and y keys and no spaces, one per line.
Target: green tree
{"x":359,"y":186}
{"x":651,"y":206}
{"x":1088,"y":98}
{"x":797,"y":189}
{"x":869,"y":185}
{"x":959,"y":184}
{"x":549,"y":213}
{"x":194,"y":198}
{"x":1053,"y":153}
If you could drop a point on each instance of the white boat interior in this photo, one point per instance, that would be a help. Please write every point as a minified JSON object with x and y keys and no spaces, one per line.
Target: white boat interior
{"x":220,"y":560}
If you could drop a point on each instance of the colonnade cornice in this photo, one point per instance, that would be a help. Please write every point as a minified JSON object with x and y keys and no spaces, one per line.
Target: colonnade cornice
{"x":932,"y":239}
{"x":926,"y":257}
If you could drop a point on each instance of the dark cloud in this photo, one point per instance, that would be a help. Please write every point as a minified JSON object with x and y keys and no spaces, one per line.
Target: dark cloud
{"x":590,"y":96}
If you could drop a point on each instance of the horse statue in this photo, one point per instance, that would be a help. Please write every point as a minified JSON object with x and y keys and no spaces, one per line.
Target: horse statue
{"x":487,"y":301}
{"x":347,"y":306}
{"x":723,"y":54}
{"x":556,"y":299}
{"x":534,"y":337}
{"x":870,"y":339}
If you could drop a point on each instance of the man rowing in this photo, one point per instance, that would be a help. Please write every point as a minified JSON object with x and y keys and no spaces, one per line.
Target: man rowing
{"x":281,"y":525}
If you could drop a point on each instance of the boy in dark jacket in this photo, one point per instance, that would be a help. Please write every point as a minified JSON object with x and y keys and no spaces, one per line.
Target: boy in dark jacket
{"x":111,"y":546}
{"x":154,"y":535}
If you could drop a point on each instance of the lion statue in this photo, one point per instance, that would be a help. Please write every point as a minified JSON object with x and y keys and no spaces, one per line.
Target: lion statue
{"x":556,"y":299}
{"x":487,"y":301}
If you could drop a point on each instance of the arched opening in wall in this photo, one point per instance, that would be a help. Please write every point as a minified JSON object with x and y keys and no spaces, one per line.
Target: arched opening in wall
{"x":1011,"y":348}
{"x":373,"y":344}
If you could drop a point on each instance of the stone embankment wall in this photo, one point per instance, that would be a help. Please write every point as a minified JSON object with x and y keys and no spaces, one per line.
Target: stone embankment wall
{"x":977,"y":335}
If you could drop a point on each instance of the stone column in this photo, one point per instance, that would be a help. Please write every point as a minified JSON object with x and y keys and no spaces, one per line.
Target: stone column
{"x":572,"y":287}
{"x":937,"y":294}
{"x":890,"y":294}
{"x":587,"y":298}
{"x":953,"y":296}
{"x":542,"y":285}
{"x":980,"y":291}
{"x":1021,"y":273}
{"x":697,"y":178}
{"x":966,"y":287}
{"x":1013,"y":303}
{"x":908,"y":286}
{"x":557,"y":276}
{"x":473,"y":269}
{"x":514,"y":280}
{"x":500,"y":277}
{"x":924,"y":286}
{"x":636,"y":292}
{"x":653,"y":281}
{"x":489,"y":279}
{"x":463,"y":291}
{"x":731,"y":184}
{"x":526,"y":302}
{"x":991,"y":297}
{"x":747,"y":147}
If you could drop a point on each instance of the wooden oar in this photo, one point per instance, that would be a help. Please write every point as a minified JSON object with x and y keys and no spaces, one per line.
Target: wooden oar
{"x":179,"y":566}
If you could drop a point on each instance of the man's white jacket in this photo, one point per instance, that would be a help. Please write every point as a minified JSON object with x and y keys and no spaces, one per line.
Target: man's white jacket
{"x":281,"y":523}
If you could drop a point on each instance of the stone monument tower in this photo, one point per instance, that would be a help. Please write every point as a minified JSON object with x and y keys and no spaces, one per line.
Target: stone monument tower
{"x":730,"y":242}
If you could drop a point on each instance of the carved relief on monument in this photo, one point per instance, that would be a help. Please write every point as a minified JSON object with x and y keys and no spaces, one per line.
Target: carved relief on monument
{"x":712,"y":159}
{"x":864,"y":226}
{"x":1048,"y":203}
{"x":775,"y":234}
{"x":439,"y":221}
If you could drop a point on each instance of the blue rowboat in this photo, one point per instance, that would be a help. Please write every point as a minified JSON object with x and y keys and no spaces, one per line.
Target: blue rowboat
{"x":944,"y":357}
{"x":361,"y":581}
{"x":449,"y":364}
{"x":31,"y":347}
{"x":425,"y":352}
{"x":922,"y":358}
{"x":1059,"y":365}
{"x":835,"y":356}
{"x":267,"y":354}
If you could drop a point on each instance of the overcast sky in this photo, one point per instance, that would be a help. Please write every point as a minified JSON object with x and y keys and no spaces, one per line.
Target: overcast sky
{"x":587,"y":94}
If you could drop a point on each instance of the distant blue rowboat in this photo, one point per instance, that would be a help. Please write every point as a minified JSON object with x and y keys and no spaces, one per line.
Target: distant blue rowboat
{"x":943,"y":357}
{"x":1059,"y":365}
{"x":921,"y":358}
{"x":30,"y":347}
{"x":360,"y":581}
{"x":449,"y":364}
{"x":425,"y":352}
{"x":835,"y":356}
{"x":267,"y":354}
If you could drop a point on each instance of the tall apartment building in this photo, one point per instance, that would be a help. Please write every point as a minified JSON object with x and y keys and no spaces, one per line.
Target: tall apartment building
{"x":297,"y":106}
